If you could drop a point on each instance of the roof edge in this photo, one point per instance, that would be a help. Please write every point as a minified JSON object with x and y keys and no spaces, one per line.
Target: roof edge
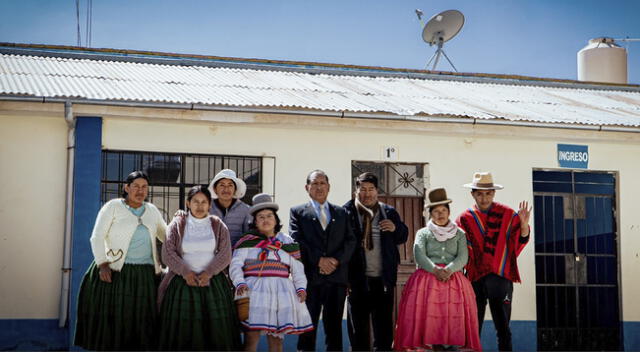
{"x":326,"y":113}
{"x":155,"y":57}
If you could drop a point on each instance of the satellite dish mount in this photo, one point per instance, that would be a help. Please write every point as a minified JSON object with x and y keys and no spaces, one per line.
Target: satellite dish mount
{"x":440,"y":29}
{"x":436,"y":56}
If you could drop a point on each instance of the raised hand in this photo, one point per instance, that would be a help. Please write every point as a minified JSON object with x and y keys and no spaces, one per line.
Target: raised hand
{"x":524,"y":212}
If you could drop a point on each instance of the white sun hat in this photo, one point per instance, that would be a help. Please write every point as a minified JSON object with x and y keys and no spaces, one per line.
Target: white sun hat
{"x":241,"y":187}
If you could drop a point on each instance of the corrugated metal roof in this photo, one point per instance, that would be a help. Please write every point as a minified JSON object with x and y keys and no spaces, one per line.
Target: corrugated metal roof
{"x":57,"y":77}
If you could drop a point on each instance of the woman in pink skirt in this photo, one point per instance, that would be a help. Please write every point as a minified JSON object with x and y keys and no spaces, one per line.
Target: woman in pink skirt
{"x":438,"y":307}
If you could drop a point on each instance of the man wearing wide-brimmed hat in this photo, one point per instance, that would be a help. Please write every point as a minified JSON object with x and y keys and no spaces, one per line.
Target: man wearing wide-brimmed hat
{"x":496,"y":235}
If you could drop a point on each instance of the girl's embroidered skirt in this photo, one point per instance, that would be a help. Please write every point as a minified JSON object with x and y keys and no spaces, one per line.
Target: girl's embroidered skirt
{"x":274,"y":307}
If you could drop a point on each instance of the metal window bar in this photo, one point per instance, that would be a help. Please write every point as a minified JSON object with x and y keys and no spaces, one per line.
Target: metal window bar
{"x":172,"y":174}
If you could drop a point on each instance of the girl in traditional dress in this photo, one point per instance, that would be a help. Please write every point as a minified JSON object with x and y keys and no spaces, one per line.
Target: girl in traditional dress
{"x":262,"y":262}
{"x":438,"y":306}
{"x":117,"y":300}
{"x":195,"y":298}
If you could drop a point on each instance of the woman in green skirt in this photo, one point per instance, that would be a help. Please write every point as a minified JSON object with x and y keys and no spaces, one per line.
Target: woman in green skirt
{"x":116,"y":304}
{"x":197,"y":311}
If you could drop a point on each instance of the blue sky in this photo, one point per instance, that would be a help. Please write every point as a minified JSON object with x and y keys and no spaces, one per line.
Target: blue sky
{"x":535,"y":37}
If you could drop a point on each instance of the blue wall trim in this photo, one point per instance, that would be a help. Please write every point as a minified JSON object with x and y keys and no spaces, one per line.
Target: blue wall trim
{"x":524,"y":335}
{"x":86,"y":204}
{"x":32,"y":335}
{"x":291,"y":341}
{"x":631,"y":335}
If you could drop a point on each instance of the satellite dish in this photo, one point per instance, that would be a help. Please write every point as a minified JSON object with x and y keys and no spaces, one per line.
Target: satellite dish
{"x":443,"y":26}
{"x":440,"y":29}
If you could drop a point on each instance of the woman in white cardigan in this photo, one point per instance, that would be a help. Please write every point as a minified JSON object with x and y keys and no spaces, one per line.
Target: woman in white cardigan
{"x":117,"y":300}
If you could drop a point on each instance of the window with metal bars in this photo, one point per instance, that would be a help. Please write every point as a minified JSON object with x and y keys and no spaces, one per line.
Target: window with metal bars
{"x":171,"y":175}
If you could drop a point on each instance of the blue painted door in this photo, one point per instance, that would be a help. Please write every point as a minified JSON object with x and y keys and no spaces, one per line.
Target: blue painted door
{"x":577,"y":291}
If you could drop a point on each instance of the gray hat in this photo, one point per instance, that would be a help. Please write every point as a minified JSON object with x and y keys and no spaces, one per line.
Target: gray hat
{"x":262,"y":201}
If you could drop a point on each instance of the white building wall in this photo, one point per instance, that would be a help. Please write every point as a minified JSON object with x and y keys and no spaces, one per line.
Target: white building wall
{"x":301,"y":144}
{"x":32,"y":172}
{"x":33,"y":159}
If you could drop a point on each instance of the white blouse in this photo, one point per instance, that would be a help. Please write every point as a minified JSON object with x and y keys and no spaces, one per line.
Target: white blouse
{"x":198,"y":243}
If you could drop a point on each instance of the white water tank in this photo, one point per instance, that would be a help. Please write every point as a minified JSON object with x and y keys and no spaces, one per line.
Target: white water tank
{"x":602,"y":60}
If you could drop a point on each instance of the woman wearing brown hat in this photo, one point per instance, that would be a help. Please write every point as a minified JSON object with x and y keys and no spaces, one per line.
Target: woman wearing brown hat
{"x":438,"y":308}
{"x":263,"y":262}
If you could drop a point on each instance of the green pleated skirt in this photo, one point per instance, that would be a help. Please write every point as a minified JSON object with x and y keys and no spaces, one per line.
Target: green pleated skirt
{"x":120,"y":315}
{"x":199,"y":318}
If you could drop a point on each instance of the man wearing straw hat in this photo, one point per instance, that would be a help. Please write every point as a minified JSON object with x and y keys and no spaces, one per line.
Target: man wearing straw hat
{"x":496,"y":234}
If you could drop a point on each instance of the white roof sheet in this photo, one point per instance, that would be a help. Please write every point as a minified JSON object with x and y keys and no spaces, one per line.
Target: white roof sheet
{"x":56,"y":77}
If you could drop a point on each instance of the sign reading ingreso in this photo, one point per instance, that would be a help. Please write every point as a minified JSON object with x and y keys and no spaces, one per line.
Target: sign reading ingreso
{"x":573,"y":156}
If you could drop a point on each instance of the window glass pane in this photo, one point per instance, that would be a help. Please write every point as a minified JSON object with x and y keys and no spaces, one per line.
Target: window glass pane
{"x":589,"y":188}
{"x":552,"y":187}
{"x":594,"y":177}
{"x":110,"y":167}
{"x":359,"y":167}
{"x":558,"y":176}
{"x":166,"y":199}
{"x":110,"y":191}
{"x":405,"y":180}
{"x":162,"y":169}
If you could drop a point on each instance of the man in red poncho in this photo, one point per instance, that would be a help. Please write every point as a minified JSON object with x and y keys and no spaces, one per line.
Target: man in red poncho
{"x":496,"y":235}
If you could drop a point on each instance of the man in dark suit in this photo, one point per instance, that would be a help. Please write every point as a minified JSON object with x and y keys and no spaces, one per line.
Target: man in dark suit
{"x":373,"y":268}
{"x":326,"y":242}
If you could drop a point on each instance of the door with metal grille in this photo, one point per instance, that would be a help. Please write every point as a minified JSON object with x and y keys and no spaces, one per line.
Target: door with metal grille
{"x":576,"y":247}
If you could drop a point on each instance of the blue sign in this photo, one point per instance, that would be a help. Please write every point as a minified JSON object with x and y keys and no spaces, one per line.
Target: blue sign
{"x":573,"y":156}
